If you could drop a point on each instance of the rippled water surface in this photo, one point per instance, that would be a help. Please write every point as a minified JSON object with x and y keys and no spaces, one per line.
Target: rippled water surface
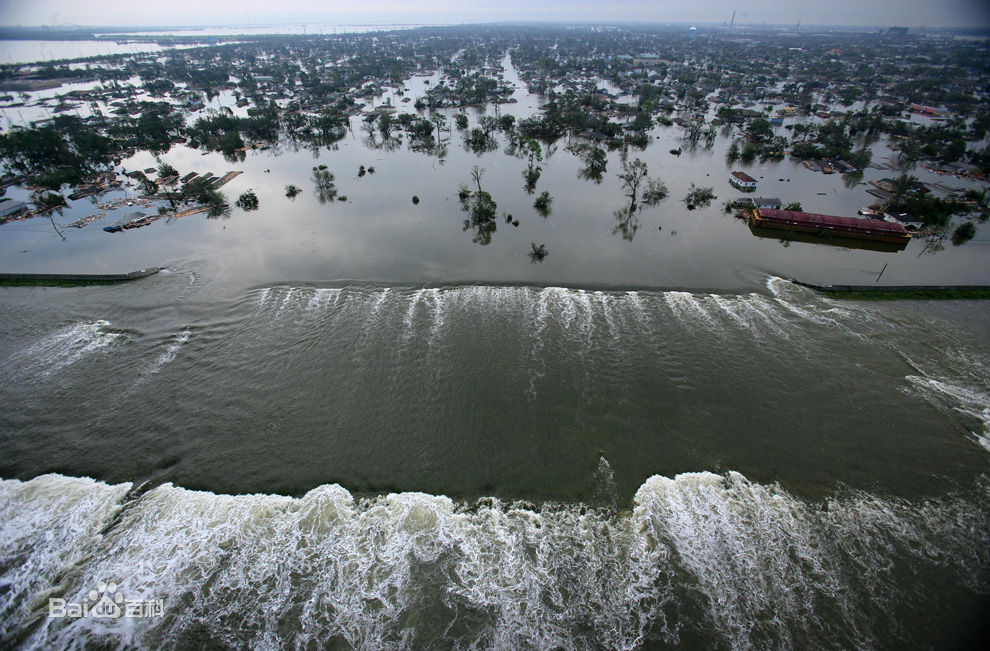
{"x":346,"y":424}
{"x":298,"y":463}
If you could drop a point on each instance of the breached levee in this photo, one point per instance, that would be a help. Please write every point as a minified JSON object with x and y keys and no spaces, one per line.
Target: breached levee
{"x":582,"y":315}
{"x":701,"y":559}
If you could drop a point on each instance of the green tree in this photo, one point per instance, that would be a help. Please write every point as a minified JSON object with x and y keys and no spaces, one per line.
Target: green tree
{"x":699,"y":197}
{"x":247,"y":201}
{"x":537,"y":253}
{"x":544,"y":204}
{"x":963,"y":233}
{"x":323,"y":179}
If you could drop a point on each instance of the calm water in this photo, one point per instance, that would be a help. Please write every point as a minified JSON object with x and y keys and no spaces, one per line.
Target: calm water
{"x":378,"y":235}
{"x":32,"y":51}
{"x":347,"y":424}
{"x":289,"y":28}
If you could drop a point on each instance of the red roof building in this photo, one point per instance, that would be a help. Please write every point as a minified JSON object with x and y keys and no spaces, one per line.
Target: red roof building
{"x":742,"y":180}
{"x":925,"y":110}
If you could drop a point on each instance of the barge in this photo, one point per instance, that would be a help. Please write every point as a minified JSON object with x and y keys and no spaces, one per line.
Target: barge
{"x":830,"y":225}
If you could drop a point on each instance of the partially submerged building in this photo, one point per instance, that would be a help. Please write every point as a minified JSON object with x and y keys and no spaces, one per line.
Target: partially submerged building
{"x":767,"y":202}
{"x":743,"y":181}
{"x":10,"y":208}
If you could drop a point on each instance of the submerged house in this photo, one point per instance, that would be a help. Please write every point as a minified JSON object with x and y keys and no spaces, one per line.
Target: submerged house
{"x":743,"y":181}
{"x":767,"y":202}
{"x":9,"y":208}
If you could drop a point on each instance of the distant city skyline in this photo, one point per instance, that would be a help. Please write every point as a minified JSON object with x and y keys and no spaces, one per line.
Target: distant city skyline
{"x":103,"y":13}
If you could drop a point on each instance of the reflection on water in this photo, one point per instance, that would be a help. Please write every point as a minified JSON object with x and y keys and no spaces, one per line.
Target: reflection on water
{"x":375,"y":236}
{"x":324,"y":185}
{"x":785,"y":237}
{"x":633,"y":175}
{"x":481,"y":208}
{"x":626,"y":223}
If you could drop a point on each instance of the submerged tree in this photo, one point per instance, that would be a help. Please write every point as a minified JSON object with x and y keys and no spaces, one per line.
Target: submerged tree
{"x":544,"y":204}
{"x":699,"y":197}
{"x":476,"y":174}
{"x":531,"y":175}
{"x":537,"y":253}
{"x":202,"y":192}
{"x":167,"y":173}
{"x":483,"y":211}
{"x":248,"y":201}
{"x":323,"y":179}
{"x":963,"y":233}
{"x":733,"y":154}
{"x":481,"y":208}
{"x":595,"y":163}
{"x":633,"y":175}
{"x":532,"y":172}
{"x":385,"y":125}
{"x":291,"y":191}
{"x":654,"y":193}
{"x":46,"y":201}
{"x":147,"y":186}
{"x":479,"y":140}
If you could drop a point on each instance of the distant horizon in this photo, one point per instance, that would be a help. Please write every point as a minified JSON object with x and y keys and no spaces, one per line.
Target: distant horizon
{"x":69,"y":27}
{"x":191,"y":14}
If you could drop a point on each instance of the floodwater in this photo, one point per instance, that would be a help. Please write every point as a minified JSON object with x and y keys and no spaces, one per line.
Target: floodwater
{"x":347,"y":424}
{"x":378,"y":234}
{"x":37,"y":51}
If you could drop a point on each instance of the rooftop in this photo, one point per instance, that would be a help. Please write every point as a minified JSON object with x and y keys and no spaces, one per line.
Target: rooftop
{"x":833,"y":222}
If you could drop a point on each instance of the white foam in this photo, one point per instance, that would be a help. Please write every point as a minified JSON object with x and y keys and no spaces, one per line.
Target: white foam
{"x":321,"y":299}
{"x":285,"y":302}
{"x":439,"y":301}
{"x":167,"y":356}
{"x":964,"y":399}
{"x":758,"y":565}
{"x":604,"y":302}
{"x":263,"y":297}
{"x":411,"y":312}
{"x":173,"y":348}
{"x":47,"y":526}
{"x":764,"y":315}
{"x":731,"y":308}
{"x":69,"y":345}
{"x":686,"y":305}
{"x":639,"y":307}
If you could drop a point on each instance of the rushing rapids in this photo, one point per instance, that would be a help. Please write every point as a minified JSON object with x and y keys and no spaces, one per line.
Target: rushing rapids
{"x":360,"y":454}
{"x":701,"y":558}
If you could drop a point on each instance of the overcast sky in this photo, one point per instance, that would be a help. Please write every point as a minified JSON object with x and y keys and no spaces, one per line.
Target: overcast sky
{"x":912,"y":13}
